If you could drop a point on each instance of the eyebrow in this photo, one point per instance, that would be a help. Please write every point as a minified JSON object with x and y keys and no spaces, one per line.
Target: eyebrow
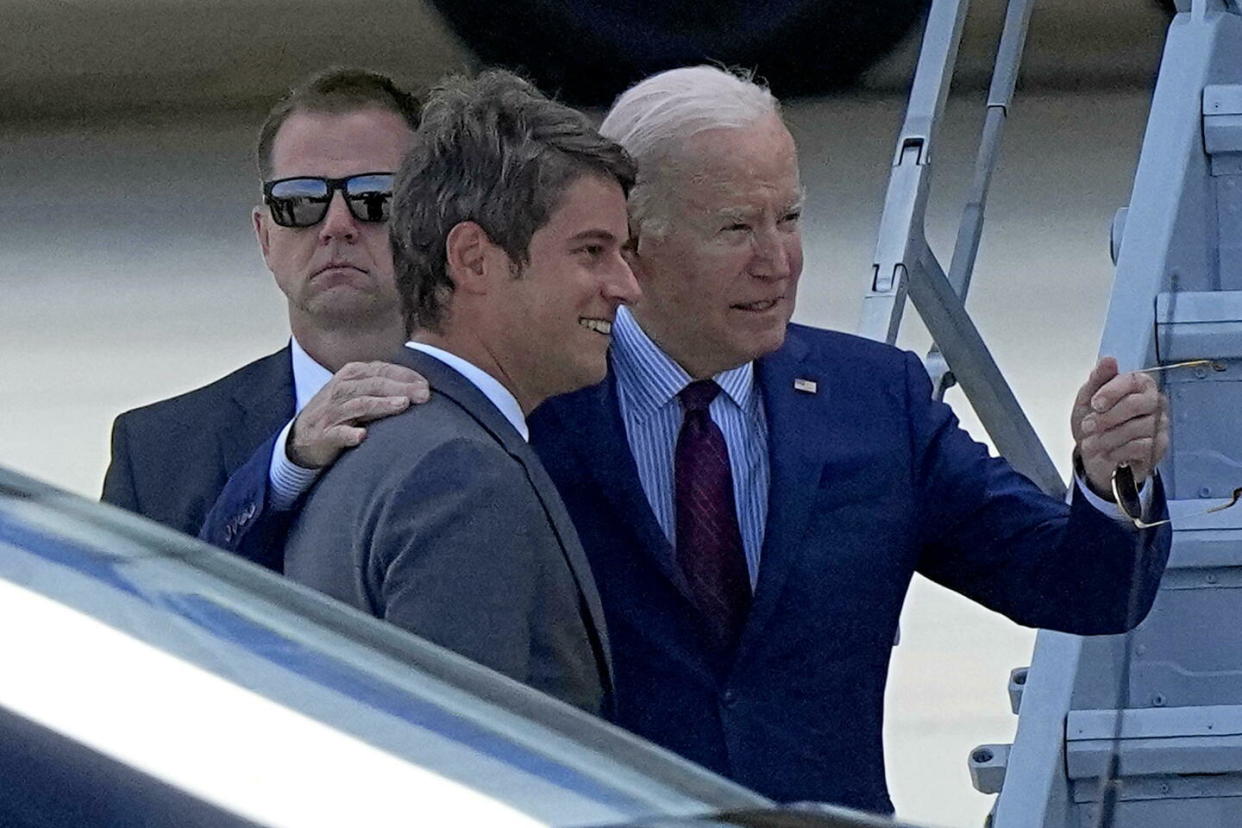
{"x":594,"y":233}
{"x":736,"y":213}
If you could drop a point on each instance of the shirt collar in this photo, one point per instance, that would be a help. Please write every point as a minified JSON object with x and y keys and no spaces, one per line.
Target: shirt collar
{"x":650,"y":379}
{"x":485,"y":382}
{"x":308,"y":376}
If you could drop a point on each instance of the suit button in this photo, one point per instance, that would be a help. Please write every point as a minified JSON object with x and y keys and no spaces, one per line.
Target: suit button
{"x":729,"y":699}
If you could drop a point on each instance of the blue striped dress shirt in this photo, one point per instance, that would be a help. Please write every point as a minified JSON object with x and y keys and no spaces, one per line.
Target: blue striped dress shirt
{"x":648,"y":381}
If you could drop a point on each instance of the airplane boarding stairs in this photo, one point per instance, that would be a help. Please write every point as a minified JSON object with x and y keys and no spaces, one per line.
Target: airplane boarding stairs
{"x":1142,"y":730}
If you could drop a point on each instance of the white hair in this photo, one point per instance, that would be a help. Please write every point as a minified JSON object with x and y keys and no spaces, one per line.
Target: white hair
{"x":654,"y":118}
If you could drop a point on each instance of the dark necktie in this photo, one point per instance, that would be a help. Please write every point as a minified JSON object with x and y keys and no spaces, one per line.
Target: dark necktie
{"x":709,"y":543}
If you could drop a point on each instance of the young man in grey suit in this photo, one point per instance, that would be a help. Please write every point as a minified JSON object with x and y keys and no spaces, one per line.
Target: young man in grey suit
{"x":508,"y":226}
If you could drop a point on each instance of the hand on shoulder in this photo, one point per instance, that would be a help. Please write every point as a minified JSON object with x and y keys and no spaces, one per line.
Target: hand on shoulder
{"x":360,"y":392}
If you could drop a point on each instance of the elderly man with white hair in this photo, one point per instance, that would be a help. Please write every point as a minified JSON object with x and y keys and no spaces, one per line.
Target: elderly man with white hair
{"x":754,"y":496}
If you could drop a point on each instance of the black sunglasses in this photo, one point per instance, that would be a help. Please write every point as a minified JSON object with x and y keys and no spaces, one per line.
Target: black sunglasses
{"x":303,"y":201}
{"x":1126,"y":493}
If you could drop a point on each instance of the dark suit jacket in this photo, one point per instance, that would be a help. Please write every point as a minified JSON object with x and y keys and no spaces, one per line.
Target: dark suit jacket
{"x":871,"y":482}
{"x":170,"y":459}
{"x":444,"y":522}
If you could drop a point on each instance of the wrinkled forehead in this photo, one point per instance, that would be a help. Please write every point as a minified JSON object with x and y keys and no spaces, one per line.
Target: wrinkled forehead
{"x":756,"y":165}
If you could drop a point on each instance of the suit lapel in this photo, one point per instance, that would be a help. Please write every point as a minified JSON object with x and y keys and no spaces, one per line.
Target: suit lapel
{"x":563,"y":525}
{"x":444,"y":380}
{"x":604,"y":448}
{"x":264,"y":397}
{"x":794,"y":413}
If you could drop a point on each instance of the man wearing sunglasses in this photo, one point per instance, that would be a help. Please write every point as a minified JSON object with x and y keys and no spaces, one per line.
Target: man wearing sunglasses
{"x":326,"y":155}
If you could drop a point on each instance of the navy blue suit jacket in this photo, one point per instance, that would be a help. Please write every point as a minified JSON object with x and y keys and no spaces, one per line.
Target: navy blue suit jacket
{"x":171,"y":459}
{"x":871,"y":482}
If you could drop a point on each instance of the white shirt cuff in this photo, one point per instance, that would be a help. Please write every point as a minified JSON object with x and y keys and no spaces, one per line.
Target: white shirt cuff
{"x":287,"y":481}
{"x":1109,"y":508}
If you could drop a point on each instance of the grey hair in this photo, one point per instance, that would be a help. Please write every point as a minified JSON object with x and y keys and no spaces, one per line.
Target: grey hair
{"x":495,"y":151}
{"x":656,"y":117}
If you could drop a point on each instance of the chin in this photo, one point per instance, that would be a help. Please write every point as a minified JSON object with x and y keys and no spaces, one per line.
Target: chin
{"x":356,"y":307}
{"x":768,"y":343}
{"x":597,"y":375}
{"x":592,"y":374}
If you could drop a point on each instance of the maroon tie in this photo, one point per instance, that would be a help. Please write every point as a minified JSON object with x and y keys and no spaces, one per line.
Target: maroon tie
{"x":709,"y":544}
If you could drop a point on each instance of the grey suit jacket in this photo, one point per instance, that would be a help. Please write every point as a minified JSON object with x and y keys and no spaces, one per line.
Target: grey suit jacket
{"x":444,"y":522}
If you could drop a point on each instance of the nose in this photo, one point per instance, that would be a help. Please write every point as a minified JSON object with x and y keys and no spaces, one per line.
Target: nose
{"x":773,"y":253}
{"x":620,"y":286}
{"x":338,"y":223}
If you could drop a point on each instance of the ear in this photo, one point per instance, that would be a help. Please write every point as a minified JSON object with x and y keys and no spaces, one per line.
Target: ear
{"x":473,"y":259}
{"x":259,"y":218}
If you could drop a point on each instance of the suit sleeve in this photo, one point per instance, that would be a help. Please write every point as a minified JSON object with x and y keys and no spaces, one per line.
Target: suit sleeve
{"x":989,"y":533}
{"x":118,"y":486}
{"x":454,"y":554}
{"x":242,"y":520}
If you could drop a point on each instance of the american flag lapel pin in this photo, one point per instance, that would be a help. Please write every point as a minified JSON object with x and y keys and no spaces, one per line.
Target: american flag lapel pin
{"x":806,"y":386}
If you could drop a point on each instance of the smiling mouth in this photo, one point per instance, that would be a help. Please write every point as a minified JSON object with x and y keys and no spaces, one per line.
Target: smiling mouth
{"x":757,"y":307}
{"x":600,"y":326}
